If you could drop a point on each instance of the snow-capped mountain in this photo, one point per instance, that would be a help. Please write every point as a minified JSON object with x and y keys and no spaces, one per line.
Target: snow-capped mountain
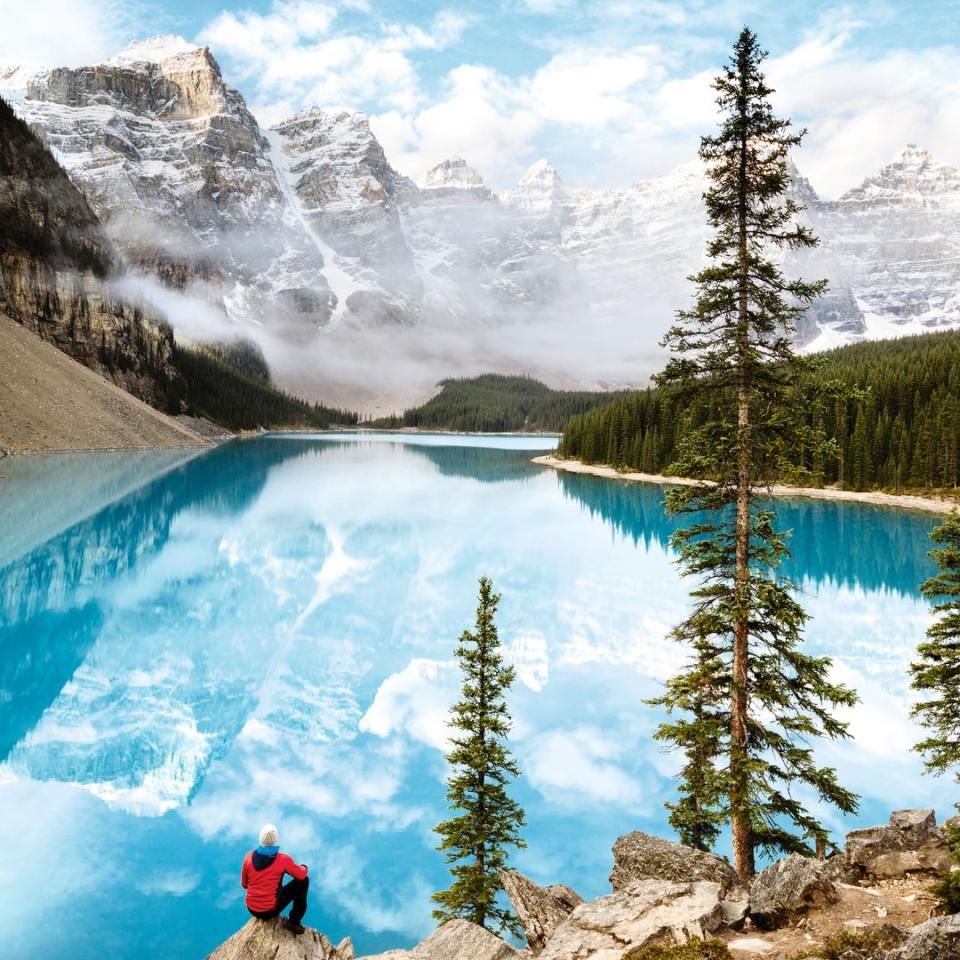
{"x":307,"y":225}
{"x":346,"y":195}
{"x":893,"y":243}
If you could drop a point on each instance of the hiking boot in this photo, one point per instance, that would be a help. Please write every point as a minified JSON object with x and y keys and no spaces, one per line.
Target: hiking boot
{"x":293,"y":926}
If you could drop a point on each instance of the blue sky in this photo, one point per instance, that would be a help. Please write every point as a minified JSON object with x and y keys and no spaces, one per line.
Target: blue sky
{"x":610,"y":91}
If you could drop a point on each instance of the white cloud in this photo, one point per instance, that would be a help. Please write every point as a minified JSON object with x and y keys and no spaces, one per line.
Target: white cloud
{"x":547,"y":6}
{"x":53,"y":33}
{"x":580,"y":763}
{"x":294,"y":54}
{"x":861,"y":111}
{"x":416,"y":701}
{"x":171,"y":883}
{"x":594,"y":88}
{"x":604,"y":108}
{"x":484,"y":117}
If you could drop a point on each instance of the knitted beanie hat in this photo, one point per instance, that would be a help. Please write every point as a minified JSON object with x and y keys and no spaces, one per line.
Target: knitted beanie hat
{"x":269,"y":836}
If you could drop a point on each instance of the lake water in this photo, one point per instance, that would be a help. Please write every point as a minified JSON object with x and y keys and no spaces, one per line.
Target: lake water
{"x":195,"y":644}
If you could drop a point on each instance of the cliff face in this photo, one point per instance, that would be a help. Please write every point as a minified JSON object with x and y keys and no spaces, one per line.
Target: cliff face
{"x":54,"y":267}
{"x":179,"y":173}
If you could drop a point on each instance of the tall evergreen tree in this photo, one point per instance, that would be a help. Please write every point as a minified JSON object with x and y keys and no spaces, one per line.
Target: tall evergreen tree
{"x":733,"y":353}
{"x":936,"y":671}
{"x":475,"y":841}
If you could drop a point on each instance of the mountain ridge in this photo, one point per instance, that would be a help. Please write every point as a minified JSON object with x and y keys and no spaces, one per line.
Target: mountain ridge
{"x":307,"y":227}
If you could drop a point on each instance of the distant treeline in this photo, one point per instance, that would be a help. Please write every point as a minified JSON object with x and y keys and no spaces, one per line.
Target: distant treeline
{"x":497,"y":403}
{"x":900,"y":430}
{"x":230,"y":386}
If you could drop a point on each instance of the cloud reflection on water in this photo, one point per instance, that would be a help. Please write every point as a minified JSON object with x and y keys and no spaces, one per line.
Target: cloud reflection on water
{"x":265,"y":633}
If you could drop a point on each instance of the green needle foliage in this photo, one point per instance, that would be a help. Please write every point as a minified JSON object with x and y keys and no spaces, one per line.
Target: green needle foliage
{"x":475,"y":841}
{"x":750,"y":701}
{"x":936,"y":671}
{"x":895,"y":427}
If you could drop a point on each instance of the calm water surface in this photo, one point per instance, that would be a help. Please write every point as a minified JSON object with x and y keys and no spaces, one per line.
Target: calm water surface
{"x":194,"y":644}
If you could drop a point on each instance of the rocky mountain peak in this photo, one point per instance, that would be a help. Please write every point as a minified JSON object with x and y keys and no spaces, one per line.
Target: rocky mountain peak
{"x":337,"y":158}
{"x":914,"y":156}
{"x":914,"y":178}
{"x":455,"y":173}
{"x":539,"y":191}
{"x":800,"y":187}
{"x":541,"y":172}
{"x":164,"y":77}
{"x":339,"y":133}
{"x":154,"y":50}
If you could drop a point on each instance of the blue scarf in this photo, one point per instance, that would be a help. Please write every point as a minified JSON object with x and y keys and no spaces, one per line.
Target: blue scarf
{"x":267,"y":851}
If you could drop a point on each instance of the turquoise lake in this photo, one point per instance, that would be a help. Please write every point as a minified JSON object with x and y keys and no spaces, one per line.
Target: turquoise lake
{"x":194,"y":644}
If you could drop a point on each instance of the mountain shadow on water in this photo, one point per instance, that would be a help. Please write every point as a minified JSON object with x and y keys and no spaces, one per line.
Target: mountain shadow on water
{"x":486,"y":464}
{"x":47,"y":627}
{"x":39,"y":657}
{"x":480,"y":463}
{"x":850,"y":544}
{"x":124,"y":533}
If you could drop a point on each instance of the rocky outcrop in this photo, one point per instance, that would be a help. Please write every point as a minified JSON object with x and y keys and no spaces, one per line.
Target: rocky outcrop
{"x":644,"y":912}
{"x":540,"y":910}
{"x":787,"y":889}
{"x":640,"y":856}
{"x":263,"y":939}
{"x":937,"y":939}
{"x":455,"y":940}
{"x":54,"y":264}
{"x":77,"y":313}
{"x":910,"y":843}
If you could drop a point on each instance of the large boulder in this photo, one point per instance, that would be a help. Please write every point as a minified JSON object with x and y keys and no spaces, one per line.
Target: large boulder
{"x":910,"y":843}
{"x":937,"y":939}
{"x":787,"y":889}
{"x":639,"y":856}
{"x":646,"y":911}
{"x":540,"y":910}
{"x":455,"y":940}
{"x":270,"y":940}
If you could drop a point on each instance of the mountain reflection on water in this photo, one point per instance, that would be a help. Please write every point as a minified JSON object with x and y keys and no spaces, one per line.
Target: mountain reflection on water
{"x":196,"y":644}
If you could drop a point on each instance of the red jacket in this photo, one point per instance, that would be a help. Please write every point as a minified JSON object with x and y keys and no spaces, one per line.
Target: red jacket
{"x":262,"y":885}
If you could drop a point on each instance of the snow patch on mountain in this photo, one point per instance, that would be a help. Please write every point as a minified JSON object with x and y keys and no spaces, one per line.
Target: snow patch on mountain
{"x":342,"y":282}
{"x":153,"y":50}
{"x":539,"y":191}
{"x":454,"y":173}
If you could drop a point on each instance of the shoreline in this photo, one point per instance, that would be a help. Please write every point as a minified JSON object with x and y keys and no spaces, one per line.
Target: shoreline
{"x":413,"y":431}
{"x":900,"y":501}
{"x":219,"y":436}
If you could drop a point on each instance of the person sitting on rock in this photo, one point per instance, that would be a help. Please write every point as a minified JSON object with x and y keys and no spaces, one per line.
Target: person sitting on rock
{"x":262,"y":878}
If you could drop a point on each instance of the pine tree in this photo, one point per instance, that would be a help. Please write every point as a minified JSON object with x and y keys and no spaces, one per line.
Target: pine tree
{"x":733,"y":354}
{"x":475,"y":841}
{"x":936,"y":671}
{"x":697,"y":813}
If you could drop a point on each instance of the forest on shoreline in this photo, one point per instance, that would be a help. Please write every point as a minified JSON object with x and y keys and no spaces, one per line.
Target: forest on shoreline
{"x":895,"y":419}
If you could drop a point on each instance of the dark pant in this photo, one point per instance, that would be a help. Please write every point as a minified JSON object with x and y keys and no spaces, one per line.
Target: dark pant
{"x":294,"y":892}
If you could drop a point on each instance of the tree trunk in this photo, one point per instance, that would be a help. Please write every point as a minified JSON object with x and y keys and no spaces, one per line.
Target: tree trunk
{"x":480,"y":909}
{"x":743,"y":861}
